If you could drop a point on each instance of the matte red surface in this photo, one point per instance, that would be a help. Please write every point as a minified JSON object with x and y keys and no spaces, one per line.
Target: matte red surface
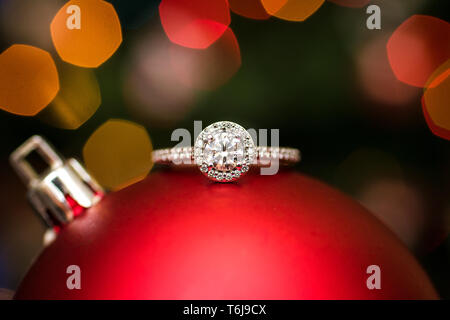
{"x":177,"y":235}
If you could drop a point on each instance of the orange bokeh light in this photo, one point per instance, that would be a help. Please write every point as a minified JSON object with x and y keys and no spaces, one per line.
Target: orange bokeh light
{"x":292,"y":10}
{"x":436,"y":104}
{"x":209,"y":68}
{"x":98,"y":37}
{"x":351,"y":3}
{"x":28,"y":80}
{"x":194,"y":23}
{"x":252,"y":9}
{"x":418,"y":46}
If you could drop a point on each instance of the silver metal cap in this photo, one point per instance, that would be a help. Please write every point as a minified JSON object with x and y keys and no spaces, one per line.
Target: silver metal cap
{"x":59,"y":193}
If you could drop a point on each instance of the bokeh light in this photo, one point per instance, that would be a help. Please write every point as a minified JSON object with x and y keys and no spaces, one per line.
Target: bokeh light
{"x":351,"y":3}
{"x":6,"y":294}
{"x":252,"y":9}
{"x":417,"y":47}
{"x":118,"y":154}
{"x":365,"y":165}
{"x":292,"y":10}
{"x":27,"y":21}
{"x":209,"y":68}
{"x":28,"y":80}
{"x":399,"y":205}
{"x":378,"y":181}
{"x":194,"y":23}
{"x":77,"y":100}
{"x":377,"y":79}
{"x":152,"y":90}
{"x":96,"y":40}
{"x":436,"y":103}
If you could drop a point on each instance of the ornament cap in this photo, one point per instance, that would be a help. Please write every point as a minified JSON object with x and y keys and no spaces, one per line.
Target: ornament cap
{"x":62,"y":191}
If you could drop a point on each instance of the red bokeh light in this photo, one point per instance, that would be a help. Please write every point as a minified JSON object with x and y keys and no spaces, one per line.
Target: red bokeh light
{"x":210,"y":68}
{"x":194,"y":23}
{"x":418,"y":46}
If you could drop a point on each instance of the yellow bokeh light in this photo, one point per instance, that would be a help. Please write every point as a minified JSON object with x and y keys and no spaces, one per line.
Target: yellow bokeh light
{"x":77,"y":100}
{"x":292,"y":10}
{"x":28,"y":80}
{"x":118,"y":154}
{"x":86,"y":33}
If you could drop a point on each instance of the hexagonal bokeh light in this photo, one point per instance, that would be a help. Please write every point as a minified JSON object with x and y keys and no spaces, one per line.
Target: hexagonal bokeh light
{"x":377,"y":79}
{"x":28,"y":80}
{"x":118,"y":154}
{"x":194,"y":23}
{"x":292,"y":10}
{"x":86,"y":33}
{"x":436,"y":102}
{"x":417,"y":47}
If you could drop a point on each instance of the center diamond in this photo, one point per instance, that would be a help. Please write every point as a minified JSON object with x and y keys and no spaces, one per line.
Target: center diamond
{"x":224,"y":151}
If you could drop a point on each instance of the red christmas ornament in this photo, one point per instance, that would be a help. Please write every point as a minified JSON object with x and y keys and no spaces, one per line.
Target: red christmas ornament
{"x":177,"y":235}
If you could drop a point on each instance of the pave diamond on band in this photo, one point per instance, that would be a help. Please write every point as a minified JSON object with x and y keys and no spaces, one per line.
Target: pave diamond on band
{"x":224,"y":151}
{"x":185,"y":156}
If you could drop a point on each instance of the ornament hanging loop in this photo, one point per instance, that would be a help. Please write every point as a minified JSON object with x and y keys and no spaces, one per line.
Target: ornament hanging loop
{"x":60,"y":192}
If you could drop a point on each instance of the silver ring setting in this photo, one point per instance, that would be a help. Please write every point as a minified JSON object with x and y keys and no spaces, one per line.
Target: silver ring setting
{"x":224,"y":151}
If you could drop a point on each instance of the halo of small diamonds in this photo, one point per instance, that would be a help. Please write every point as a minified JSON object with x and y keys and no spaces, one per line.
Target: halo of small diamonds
{"x":224,"y":151}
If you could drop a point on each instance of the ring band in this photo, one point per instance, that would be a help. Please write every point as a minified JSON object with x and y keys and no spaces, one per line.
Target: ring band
{"x":224,"y":151}
{"x":264,"y":156}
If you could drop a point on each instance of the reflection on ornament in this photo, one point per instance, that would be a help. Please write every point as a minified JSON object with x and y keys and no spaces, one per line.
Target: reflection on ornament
{"x":118,"y":154}
{"x":86,"y":33}
{"x":28,"y":80}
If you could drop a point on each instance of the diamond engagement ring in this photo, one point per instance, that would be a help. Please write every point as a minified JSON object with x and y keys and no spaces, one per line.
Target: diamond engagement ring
{"x":224,"y":151}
